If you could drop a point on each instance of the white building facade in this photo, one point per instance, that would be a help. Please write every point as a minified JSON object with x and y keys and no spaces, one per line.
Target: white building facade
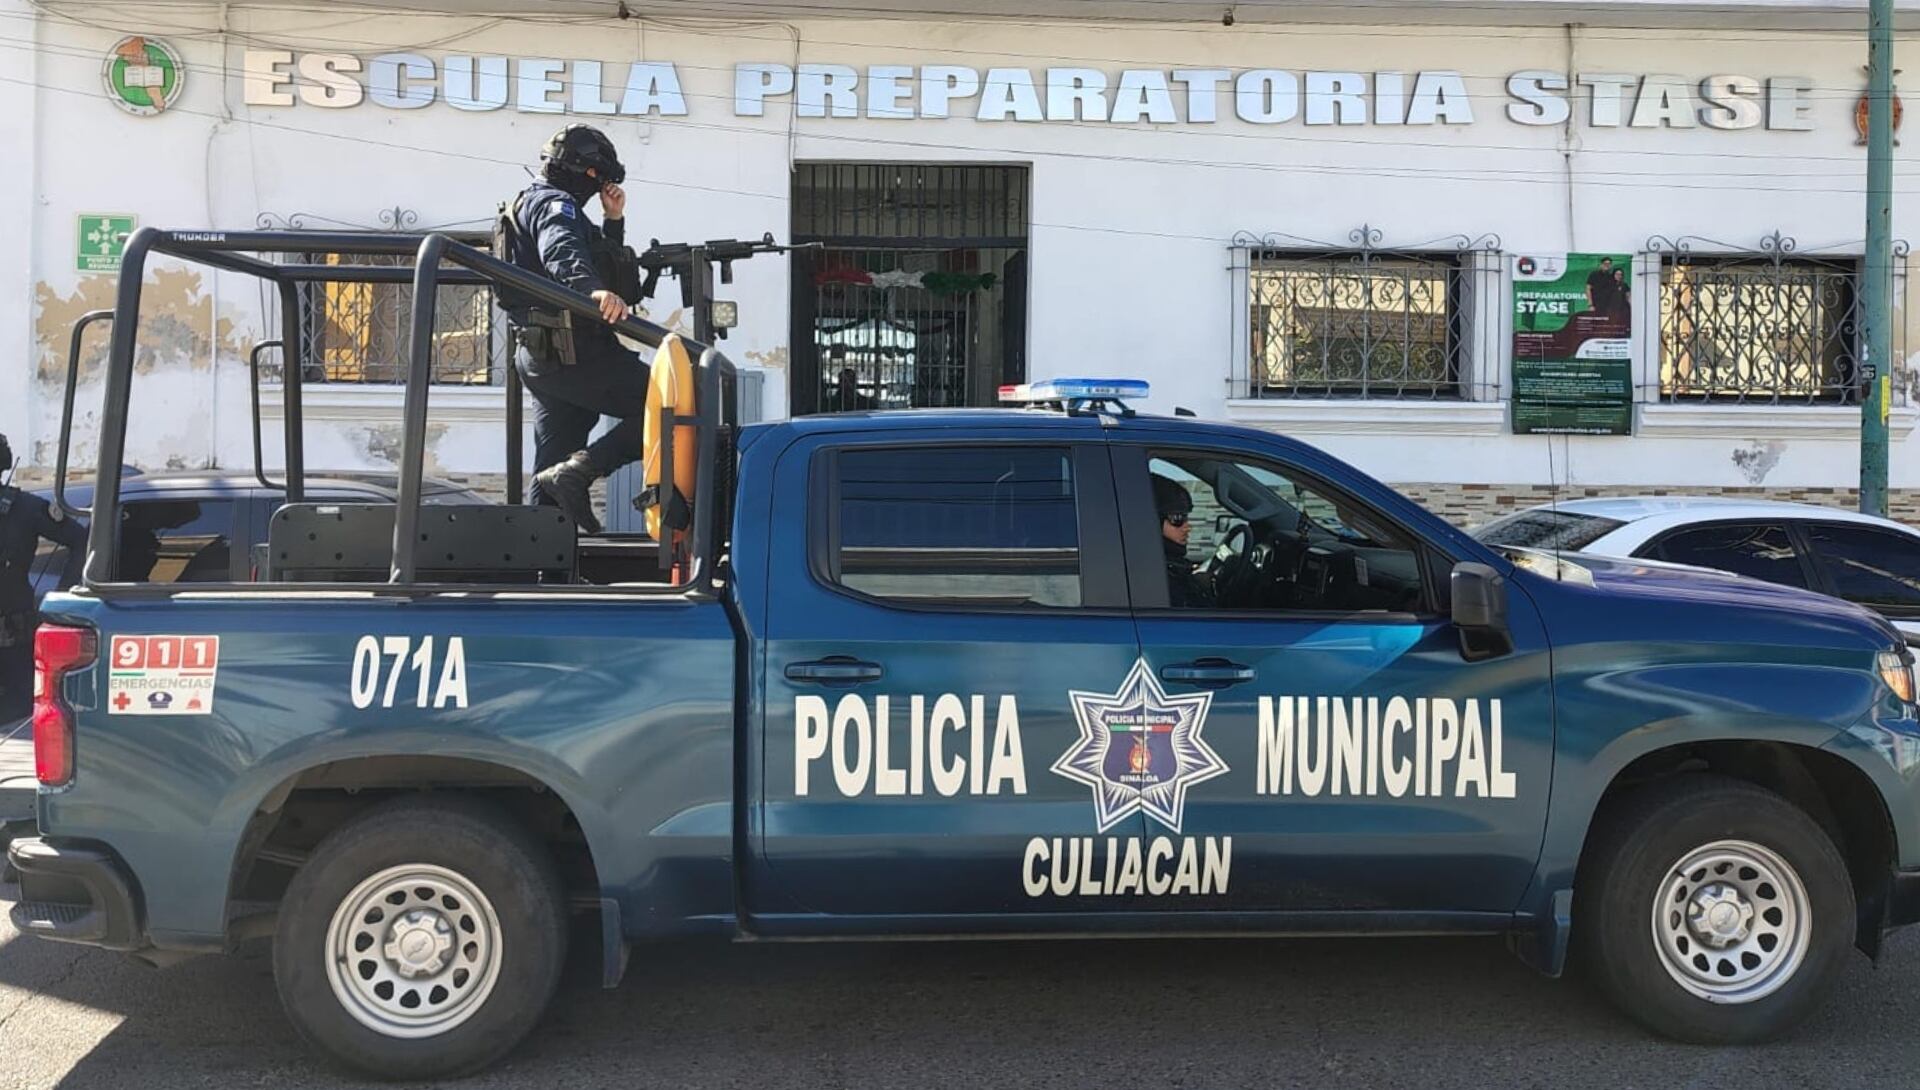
{"x":1309,"y":227}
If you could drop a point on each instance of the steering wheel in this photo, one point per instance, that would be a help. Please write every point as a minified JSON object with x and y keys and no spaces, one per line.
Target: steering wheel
{"x":1231,"y":566}
{"x":1231,"y":548}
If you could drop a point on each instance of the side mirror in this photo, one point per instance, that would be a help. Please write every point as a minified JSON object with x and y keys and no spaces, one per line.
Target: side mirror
{"x":1480,"y":611}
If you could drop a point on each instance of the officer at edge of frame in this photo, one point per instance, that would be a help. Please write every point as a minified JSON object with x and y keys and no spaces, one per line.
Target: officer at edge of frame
{"x":576,"y":371}
{"x":24,"y":520}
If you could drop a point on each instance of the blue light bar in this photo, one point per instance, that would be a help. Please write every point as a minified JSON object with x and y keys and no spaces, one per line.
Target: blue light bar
{"x":1075,"y":389}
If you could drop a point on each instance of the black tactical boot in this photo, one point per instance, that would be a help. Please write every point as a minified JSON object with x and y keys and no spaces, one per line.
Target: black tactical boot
{"x":570,"y":485}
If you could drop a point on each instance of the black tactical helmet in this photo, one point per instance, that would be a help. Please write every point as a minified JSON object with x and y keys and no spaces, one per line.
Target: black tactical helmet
{"x":6,"y":454}
{"x":1169,"y":498}
{"x":577,"y":147}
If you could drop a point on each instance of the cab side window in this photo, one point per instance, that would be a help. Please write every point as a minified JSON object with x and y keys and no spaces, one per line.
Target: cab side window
{"x":1758,"y":549}
{"x":979,"y":525}
{"x":176,"y":541}
{"x":1242,"y":535}
{"x":1869,"y":565}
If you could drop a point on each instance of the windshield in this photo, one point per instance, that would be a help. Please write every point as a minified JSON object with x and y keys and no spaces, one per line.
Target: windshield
{"x":1546,"y":528}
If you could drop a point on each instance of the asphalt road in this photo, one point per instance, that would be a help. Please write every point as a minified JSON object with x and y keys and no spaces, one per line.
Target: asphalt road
{"x":1426,"y":1013}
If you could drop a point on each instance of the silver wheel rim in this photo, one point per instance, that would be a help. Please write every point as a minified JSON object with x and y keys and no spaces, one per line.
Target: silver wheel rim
{"x":413,"y":951}
{"x":1732,"y":922}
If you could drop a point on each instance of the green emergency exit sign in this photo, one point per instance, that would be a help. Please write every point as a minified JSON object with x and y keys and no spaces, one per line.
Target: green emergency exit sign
{"x":102,"y":240}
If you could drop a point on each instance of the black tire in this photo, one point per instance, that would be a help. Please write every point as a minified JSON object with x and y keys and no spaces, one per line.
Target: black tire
{"x":1638,"y":839}
{"x":509,"y":869}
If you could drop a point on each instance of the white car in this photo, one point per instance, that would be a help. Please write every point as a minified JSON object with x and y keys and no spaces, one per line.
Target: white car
{"x":1872,"y":561}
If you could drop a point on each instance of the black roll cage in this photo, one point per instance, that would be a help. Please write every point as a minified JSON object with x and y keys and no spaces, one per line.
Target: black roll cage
{"x":439,"y":258}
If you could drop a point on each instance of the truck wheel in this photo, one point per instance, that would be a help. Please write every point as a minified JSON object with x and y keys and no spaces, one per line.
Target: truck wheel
{"x":1714,"y":911}
{"x":422,"y":939}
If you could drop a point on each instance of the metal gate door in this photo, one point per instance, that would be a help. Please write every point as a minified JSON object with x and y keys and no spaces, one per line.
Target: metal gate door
{"x":917,"y":296}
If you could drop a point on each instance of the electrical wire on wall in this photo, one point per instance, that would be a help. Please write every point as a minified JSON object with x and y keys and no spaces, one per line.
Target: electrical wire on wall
{"x":1289,"y":19}
{"x":732,"y":27}
{"x":1663,"y":179}
{"x":1848,"y":168}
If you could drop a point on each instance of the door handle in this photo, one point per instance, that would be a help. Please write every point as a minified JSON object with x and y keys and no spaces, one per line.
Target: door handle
{"x":1207,"y":672}
{"x":837,"y":670}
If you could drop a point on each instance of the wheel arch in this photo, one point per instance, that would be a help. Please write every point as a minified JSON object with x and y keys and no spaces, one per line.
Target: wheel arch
{"x":307,"y":801}
{"x":1836,"y":793}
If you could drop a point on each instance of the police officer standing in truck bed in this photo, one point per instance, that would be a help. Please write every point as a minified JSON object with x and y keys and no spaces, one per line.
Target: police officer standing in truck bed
{"x":576,"y":370}
{"x":24,"y":520}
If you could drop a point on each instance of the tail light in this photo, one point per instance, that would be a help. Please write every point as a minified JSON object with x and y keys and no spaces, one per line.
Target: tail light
{"x":56,"y":650}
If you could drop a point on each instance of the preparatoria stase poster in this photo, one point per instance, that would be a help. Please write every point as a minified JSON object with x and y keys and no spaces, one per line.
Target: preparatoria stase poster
{"x":1572,"y":339}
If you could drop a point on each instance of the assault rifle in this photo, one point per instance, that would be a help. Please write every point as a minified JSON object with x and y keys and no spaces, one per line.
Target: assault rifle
{"x":637,"y":276}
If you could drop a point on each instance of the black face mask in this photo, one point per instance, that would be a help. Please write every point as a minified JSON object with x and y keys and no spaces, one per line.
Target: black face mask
{"x":574,"y":183}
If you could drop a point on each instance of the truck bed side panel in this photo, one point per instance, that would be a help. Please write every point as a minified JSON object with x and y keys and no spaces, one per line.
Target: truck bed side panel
{"x":623,"y":708}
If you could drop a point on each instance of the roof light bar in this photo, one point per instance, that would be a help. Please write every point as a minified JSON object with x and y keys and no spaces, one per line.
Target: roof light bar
{"x":1074,"y":389}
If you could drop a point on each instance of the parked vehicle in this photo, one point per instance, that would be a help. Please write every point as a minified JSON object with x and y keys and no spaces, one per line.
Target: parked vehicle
{"x":186,"y":523}
{"x":1872,"y":561}
{"x":919,"y":674}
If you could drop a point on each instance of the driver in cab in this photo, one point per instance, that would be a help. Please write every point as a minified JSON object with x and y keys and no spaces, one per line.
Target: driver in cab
{"x":1186,"y":587}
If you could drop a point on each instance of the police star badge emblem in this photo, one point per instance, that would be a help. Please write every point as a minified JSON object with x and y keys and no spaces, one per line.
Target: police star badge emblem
{"x":1140,"y":749}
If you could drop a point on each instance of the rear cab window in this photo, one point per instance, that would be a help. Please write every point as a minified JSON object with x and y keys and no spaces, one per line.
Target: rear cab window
{"x":992,"y":525}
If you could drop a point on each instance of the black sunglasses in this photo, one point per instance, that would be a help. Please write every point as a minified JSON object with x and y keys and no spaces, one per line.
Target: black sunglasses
{"x":1175,"y":519}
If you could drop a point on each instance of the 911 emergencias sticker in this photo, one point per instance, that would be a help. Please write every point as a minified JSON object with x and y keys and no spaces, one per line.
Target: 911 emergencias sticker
{"x":162,"y":675}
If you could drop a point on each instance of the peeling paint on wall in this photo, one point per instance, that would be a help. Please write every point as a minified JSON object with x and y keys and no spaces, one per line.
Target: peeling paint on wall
{"x":180,"y":341}
{"x":774,"y":359}
{"x":1757,"y":459}
{"x":383,"y":443}
{"x":176,"y":325}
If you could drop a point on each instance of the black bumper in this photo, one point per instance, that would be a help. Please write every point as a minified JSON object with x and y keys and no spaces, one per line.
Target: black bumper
{"x":1903,"y":898}
{"x":76,"y":892}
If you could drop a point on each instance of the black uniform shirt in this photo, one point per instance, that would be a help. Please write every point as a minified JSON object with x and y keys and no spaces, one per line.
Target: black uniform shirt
{"x":563,"y":237}
{"x":1185,"y":587}
{"x":24,"y":519}
{"x":563,"y":240}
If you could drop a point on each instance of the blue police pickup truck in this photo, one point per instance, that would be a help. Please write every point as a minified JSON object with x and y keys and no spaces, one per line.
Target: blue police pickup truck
{"x":1048,"y":671}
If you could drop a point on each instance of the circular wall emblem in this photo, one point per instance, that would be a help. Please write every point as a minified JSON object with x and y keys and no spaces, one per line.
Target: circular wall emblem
{"x":143,"y":75}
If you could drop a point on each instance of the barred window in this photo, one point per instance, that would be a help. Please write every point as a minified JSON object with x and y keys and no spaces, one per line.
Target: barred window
{"x":1759,"y":329}
{"x":1369,"y":323}
{"x":357,"y":333}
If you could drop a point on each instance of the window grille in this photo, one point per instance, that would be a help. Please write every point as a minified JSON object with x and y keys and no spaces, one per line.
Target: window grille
{"x":1363,"y":322}
{"x":1761,"y":326}
{"x":356,"y":333}
{"x":917,"y":295}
